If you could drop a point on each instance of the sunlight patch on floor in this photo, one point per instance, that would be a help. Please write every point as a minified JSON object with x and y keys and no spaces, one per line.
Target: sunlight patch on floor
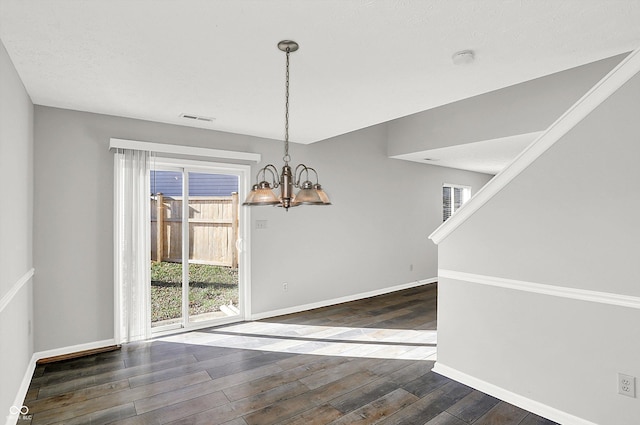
{"x":406,"y":344}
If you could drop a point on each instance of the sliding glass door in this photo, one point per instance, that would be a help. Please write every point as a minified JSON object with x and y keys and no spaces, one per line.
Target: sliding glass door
{"x":195,"y":240}
{"x":167,"y":265}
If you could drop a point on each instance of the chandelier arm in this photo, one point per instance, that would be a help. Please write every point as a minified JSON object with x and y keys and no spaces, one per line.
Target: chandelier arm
{"x":258,"y":175}
{"x":298,"y":174}
{"x":275,"y":177}
{"x":314,"y":172}
{"x":261,"y":171}
{"x":305,"y":169}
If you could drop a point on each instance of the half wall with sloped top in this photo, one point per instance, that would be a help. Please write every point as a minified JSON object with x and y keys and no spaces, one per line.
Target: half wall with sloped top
{"x":539,"y":293}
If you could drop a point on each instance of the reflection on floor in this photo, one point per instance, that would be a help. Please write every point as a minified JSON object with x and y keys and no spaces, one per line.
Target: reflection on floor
{"x":365,"y":362}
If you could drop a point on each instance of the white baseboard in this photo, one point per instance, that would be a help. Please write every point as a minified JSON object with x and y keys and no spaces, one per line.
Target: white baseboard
{"x":22,"y":391}
{"x":31,"y":367}
{"x":73,"y":349}
{"x":348,"y":298}
{"x":511,"y":397}
{"x":26,"y":379}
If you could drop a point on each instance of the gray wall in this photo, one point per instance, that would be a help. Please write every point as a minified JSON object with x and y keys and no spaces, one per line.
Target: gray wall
{"x":73,"y":220}
{"x":569,"y":220}
{"x":383,"y":211}
{"x":523,"y":108}
{"x":16,"y":216}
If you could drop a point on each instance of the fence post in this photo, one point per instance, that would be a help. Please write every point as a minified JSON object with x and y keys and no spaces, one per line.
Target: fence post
{"x":234,"y":227}
{"x":159,"y":227}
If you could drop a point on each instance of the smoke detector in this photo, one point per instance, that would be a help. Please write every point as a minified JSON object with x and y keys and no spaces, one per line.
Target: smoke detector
{"x":463,"y":57}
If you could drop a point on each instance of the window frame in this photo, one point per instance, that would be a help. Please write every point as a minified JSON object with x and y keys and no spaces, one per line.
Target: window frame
{"x":466,"y":191}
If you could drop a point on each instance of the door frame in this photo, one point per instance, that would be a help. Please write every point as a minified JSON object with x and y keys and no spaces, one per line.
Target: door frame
{"x":244,"y":237}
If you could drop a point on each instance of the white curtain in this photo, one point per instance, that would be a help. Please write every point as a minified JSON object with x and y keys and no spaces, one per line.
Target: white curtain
{"x":132,"y":246}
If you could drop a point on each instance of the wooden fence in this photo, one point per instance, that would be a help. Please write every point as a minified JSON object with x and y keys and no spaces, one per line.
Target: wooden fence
{"x":213,"y":229}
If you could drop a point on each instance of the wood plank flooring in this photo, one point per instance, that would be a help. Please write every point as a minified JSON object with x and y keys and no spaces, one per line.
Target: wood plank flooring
{"x":362,"y":362}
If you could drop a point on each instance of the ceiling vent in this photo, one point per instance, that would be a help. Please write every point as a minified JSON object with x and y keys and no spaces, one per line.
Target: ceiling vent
{"x":197,"y":117}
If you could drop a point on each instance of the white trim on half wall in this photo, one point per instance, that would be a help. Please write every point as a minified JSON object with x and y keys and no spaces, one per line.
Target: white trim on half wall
{"x":620,"y":300}
{"x":13,"y":291}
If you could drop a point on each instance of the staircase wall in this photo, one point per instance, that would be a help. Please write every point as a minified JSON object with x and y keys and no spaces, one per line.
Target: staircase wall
{"x":539,"y":293}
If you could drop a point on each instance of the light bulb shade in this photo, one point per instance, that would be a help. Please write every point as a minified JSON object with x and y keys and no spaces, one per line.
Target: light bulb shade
{"x":307,"y":196}
{"x":322,"y":194}
{"x":261,"y":194}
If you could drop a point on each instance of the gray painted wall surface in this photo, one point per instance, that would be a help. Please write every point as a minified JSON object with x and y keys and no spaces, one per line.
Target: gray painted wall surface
{"x":570,"y":219}
{"x":73,"y":220}
{"x":523,"y":108}
{"x":16,"y":217}
{"x":354,"y":246}
{"x":383,"y":211}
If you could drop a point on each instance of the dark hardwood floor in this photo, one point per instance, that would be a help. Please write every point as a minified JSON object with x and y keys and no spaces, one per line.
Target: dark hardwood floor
{"x":362,"y":362}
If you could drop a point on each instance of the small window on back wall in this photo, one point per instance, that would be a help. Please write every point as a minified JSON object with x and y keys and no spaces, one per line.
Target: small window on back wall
{"x":453,"y":197}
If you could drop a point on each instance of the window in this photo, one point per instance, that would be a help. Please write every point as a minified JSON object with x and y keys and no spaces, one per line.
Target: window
{"x":453,"y":197}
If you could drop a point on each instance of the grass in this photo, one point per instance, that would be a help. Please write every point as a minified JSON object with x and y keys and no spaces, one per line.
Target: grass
{"x":209,"y":288}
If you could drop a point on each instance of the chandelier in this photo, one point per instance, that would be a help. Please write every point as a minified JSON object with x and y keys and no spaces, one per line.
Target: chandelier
{"x":309,"y":193}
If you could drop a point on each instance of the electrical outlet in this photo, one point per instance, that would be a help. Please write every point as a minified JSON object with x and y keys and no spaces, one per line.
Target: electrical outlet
{"x":285,"y":286}
{"x":626,"y":385}
{"x":410,"y":267}
{"x":261,"y":224}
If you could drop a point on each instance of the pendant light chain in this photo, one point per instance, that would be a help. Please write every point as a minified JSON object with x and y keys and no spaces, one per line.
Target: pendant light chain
{"x":287,"y":179}
{"x":286,"y":157}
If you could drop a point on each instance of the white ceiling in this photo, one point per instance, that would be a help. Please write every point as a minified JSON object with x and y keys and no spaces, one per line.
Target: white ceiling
{"x":361,"y":62}
{"x":486,"y":156}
